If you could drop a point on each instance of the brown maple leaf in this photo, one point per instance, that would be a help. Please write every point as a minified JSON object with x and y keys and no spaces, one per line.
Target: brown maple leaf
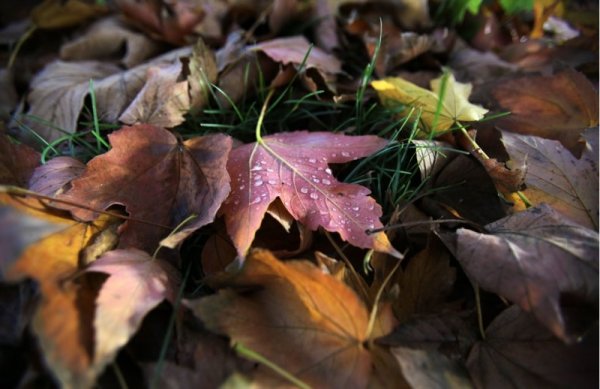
{"x":159,"y":179}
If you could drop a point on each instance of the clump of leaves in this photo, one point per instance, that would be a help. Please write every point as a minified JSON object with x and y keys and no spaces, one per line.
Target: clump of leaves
{"x":215,"y":206}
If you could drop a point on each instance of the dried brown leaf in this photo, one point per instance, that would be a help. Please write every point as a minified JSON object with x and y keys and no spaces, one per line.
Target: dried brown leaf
{"x":536,"y":259}
{"x":517,"y":352}
{"x":556,"y":177}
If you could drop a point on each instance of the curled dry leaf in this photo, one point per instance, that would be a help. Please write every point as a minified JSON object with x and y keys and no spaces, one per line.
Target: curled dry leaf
{"x":556,"y":107}
{"x":455,"y":105}
{"x":136,"y":284}
{"x":51,"y":177}
{"x":305,"y":321}
{"x":110,"y":38}
{"x":158,"y":179}
{"x":556,"y":177}
{"x":430,"y":369}
{"x":540,"y":261}
{"x":170,"y":21}
{"x":458,"y":185}
{"x":162,"y":101}
{"x":294,"y":167}
{"x":518,"y":352}
{"x":202,"y":73}
{"x":60,"y":323}
{"x":58,"y":92}
{"x":295,"y":51}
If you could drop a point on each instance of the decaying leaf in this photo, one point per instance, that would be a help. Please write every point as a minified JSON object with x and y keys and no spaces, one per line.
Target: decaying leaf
{"x":171,"y":21}
{"x":61,"y":323}
{"x":457,"y":185}
{"x":136,"y":284}
{"x":52,"y":14}
{"x":203,"y":73}
{"x":295,"y":51}
{"x":158,"y":179}
{"x":556,"y":177}
{"x":298,"y":317}
{"x":109,"y":38}
{"x":58,"y":92}
{"x":455,"y":105}
{"x":430,"y":369}
{"x":452,"y":334}
{"x":518,"y":352}
{"x":51,"y":177}
{"x":294,"y":167}
{"x":162,"y":101}
{"x":425,"y":283}
{"x":539,"y":260}
{"x":556,"y":107}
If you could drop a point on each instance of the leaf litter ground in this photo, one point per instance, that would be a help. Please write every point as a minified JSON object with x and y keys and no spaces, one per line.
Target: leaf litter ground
{"x":313,"y":195}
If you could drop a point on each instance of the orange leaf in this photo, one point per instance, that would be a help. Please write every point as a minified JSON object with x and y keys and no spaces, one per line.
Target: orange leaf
{"x":305,"y":321}
{"x":61,"y":326}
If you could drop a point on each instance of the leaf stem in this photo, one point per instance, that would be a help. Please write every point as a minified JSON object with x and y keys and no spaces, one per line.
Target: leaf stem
{"x":26,"y":35}
{"x":479,"y":312}
{"x":261,"y":118}
{"x":254,"y":356}
{"x":477,"y":150}
{"x":375,"y":310}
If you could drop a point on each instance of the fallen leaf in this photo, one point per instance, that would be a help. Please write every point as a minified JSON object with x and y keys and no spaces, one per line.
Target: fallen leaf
{"x":110,"y":38}
{"x":58,"y":92}
{"x":448,"y":333}
{"x":60,"y":323}
{"x":455,"y":106}
{"x":297,"y":50}
{"x":469,"y":64}
{"x":535,"y":258}
{"x":201,"y":359}
{"x":397,"y":49}
{"x":425,"y":283}
{"x":430,"y":369}
{"x":51,"y":14}
{"x":17,"y":162}
{"x":456,"y":185}
{"x":51,"y":177}
{"x":136,"y":284}
{"x":518,"y":352}
{"x":294,"y":167}
{"x":326,"y":29}
{"x":556,"y":177}
{"x":294,"y":50}
{"x":298,"y":317}
{"x":170,"y":21}
{"x":556,"y":107}
{"x":162,"y":101}
{"x":158,"y":179}
{"x":507,"y":180}
{"x":203,"y":73}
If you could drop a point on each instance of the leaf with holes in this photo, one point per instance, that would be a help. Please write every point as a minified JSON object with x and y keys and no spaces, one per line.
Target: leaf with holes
{"x":294,"y":167}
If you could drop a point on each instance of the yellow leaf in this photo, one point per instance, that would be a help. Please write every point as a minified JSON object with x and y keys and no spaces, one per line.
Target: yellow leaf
{"x":455,"y":103}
